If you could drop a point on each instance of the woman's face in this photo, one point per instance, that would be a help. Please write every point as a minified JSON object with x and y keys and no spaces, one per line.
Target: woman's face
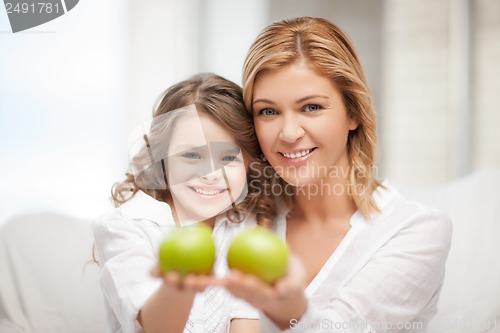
{"x":302,"y":124}
{"x":206,"y":170}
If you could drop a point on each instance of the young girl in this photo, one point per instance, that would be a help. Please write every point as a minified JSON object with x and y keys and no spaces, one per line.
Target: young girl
{"x":366,"y":259}
{"x":188,"y":167}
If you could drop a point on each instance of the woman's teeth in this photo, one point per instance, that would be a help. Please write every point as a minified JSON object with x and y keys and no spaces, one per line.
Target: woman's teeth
{"x":297,"y":154}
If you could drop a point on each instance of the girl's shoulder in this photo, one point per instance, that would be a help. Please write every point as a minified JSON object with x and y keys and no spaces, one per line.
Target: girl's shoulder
{"x":140,"y":209}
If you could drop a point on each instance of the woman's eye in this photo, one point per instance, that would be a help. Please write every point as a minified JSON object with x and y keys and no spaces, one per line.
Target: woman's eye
{"x":267,"y":112}
{"x":312,"y":107}
{"x":192,"y":156}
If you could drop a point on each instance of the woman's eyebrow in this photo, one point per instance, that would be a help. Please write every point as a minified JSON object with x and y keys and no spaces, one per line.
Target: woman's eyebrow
{"x":303,"y":99}
{"x":298,"y":101}
{"x":263,"y":100}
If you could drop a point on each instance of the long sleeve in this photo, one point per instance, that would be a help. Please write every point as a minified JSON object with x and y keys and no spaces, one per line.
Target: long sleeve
{"x":387,"y":280}
{"x":126,"y":241}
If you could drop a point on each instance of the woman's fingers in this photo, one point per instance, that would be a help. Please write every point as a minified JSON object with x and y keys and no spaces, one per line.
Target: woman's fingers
{"x":249,"y":287}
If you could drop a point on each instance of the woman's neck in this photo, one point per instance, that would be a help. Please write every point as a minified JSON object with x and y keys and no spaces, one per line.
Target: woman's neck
{"x":324,"y":201}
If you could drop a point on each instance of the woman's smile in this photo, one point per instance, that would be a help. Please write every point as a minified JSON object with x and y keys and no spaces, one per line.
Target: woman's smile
{"x":301,"y":122}
{"x":298,"y":156}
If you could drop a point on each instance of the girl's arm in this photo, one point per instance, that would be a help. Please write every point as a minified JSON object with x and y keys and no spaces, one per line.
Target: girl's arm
{"x":133,"y":294}
{"x":245,"y":326}
{"x":167,"y":310}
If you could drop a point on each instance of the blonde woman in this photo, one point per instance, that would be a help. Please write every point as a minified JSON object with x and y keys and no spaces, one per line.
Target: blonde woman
{"x":365,"y":258}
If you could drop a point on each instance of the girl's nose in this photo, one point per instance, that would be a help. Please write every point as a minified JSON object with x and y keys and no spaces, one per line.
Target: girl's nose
{"x":212,"y":177}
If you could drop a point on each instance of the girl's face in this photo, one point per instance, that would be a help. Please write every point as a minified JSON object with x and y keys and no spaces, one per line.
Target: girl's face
{"x":302,"y":124}
{"x":206,"y":170}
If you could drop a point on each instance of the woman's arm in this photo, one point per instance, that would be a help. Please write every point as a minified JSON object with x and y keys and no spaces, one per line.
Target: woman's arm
{"x":397,"y":284}
{"x":281,"y":302}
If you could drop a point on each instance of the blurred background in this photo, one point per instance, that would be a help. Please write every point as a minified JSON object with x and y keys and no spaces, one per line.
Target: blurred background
{"x":72,"y":90}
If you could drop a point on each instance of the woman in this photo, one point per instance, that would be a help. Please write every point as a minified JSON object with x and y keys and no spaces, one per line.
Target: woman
{"x":365,"y":259}
{"x":190,"y":165}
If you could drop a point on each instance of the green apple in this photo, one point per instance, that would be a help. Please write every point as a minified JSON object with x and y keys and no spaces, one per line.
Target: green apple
{"x":189,"y":249}
{"x":259,"y":252}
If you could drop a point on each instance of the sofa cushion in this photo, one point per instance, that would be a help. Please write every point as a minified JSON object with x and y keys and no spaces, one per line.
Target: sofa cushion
{"x":48,"y":280}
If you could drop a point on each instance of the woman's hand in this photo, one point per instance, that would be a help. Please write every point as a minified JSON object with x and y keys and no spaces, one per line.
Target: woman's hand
{"x":281,"y":302}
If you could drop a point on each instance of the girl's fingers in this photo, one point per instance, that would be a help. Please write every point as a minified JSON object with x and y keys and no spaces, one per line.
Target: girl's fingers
{"x":155,"y":271}
{"x":196,"y":282}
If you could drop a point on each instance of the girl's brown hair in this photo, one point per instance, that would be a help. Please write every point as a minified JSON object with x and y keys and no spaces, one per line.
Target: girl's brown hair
{"x":327,"y":50}
{"x":221,"y":100}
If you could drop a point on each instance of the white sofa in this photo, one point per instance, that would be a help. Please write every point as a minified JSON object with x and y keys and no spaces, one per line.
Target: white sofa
{"x":48,"y":283}
{"x":470,"y":299}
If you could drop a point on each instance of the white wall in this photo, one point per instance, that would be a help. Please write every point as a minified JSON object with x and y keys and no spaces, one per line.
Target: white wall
{"x":73,"y":89}
{"x":415,"y":105}
{"x":441,"y":106}
{"x":486,"y":83}
{"x":61,"y":102}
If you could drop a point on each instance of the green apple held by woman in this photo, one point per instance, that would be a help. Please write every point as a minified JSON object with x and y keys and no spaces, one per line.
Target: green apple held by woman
{"x":259,"y":252}
{"x":188,"y":250}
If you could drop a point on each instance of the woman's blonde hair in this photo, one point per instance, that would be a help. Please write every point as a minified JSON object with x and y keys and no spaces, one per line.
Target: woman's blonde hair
{"x":221,"y":100}
{"x":327,"y":50}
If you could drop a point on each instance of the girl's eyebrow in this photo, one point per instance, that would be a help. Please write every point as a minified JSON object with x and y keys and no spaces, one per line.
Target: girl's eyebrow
{"x":298,"y":101}
{"x":183,"y":147}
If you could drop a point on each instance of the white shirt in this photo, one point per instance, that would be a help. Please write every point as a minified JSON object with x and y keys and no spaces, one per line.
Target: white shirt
{"x":127,"y":241}
{"x":384,"y":276}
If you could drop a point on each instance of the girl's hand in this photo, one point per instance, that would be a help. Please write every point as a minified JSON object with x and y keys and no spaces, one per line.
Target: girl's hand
{"x":281,"y":302}
{"x":180,"y":286}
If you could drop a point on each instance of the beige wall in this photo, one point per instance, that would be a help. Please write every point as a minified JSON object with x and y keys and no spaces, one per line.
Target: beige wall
{"x":486,"y":83}
{"x":415,"y":126}
{"x":441,"y":89}
{"x":435,"y":80}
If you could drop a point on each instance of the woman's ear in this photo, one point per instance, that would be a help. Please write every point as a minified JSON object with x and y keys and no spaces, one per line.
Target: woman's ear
{"x":353,"y":123}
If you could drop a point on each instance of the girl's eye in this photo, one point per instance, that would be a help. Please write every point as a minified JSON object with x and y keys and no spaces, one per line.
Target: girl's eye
{"x":267,"y":112}
{"x":312,"y":107}
{"x":192,"y":156}
{"x":230,"y":158}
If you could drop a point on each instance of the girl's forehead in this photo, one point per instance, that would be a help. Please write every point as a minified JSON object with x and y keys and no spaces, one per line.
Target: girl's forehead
{"x":197,"y":129}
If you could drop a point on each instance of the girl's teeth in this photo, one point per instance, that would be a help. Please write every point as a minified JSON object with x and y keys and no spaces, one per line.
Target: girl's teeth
{"x":297,"y":154}
{"x":211,"y":192}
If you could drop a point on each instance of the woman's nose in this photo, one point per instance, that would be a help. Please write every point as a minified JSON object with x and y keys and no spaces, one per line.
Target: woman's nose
{"x":291,"y":129}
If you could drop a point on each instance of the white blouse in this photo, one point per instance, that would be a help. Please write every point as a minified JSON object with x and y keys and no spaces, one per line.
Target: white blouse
{"x":384,"y":276}
{"x":127,"y":241}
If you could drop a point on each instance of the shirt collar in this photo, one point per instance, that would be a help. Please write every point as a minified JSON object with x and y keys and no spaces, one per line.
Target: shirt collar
{"x":143,"y":206}
{"x":382,"y":195}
